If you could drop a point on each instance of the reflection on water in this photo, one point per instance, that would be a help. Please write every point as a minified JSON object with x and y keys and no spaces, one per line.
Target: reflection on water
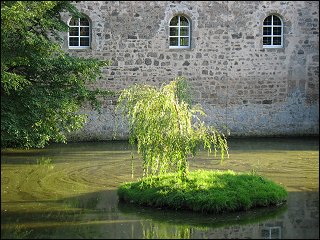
{"x":69,"y":191}
{"x":271,"y":233}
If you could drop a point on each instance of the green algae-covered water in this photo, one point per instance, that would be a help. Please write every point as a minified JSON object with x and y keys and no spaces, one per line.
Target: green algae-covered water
{"x":69,"y":191}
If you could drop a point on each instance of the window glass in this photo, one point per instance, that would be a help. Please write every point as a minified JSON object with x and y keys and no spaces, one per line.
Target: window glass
{"x":272,"y":32}
{"x":267,"y":41}
{"x":84,"y":41}
{"x":73,"y":31}
{"x":84,"y":22}
{"x":268,"y":21}
{"x":184,"y":41}
{"x":179,"y":32}
{"x":276,"y":20}
{"x":267,"y":31}
{"x":79,"y":33}
{"x":84,"y":31}
{"x":276,"y":40}
{"x":174,"y":21}
{"x":73,"y":41}
{"x":184,"y":21}
{"x":173,"y":41}
{"x":74,"y":22}
{"x":174,"y":31}
{"x":184,"y":31}
{"x":277,"y":31}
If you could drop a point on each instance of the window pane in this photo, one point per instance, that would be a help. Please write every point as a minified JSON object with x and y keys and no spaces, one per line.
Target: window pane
{"x":267,"y":41}
{"x":277,"y":41}
{"x":174,"y":21}
{"x":173,"y":31}
{"x":276,"y":20}
{"x":184,"y":31}
{"x":84,"y":41}
{"x":173,"y":41}
{"x":74,"y":22}
{"x":84,"y":22}
{"x":184,"y":21}
{"x":184,"y":41}
{"x":84,"y":31}
{"x":277,"y":31}
{"x":73,"y":41}
{"x":73,"y":31}
{"x":267,"y":21}
{"x":266,"y":30}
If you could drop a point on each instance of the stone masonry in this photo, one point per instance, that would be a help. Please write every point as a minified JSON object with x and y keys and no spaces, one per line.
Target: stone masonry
{"x":243,"y":87}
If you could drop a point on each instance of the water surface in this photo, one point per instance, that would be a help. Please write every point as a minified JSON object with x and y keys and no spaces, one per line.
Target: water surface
{"x":69,"y":191}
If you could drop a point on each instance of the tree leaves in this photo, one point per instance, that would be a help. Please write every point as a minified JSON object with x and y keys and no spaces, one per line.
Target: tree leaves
{"x":42,"y":87}
{"x":167,"y":129}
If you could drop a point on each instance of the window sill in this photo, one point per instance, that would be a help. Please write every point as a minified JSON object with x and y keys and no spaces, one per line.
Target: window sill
{"x":79,"y":48}
{"x":171,"y":47}
{"x":272,"y":46}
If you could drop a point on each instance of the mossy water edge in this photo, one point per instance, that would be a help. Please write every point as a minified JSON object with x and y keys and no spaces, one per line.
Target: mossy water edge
{"x":204,"y":191}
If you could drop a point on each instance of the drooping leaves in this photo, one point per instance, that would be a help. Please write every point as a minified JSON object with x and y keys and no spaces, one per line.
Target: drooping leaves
{"x":166,"y":128}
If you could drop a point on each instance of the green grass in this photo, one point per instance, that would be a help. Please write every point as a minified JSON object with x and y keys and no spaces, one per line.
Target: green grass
{"x":204,"y":191}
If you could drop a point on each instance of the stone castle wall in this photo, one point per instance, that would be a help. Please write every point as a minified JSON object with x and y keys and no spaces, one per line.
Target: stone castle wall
{"x":248,"y":89}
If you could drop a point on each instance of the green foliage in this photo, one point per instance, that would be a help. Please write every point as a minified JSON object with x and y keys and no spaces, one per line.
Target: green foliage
{"x":166,"y":127}
{"x":42,"y":87}
{"x":204,"y":191}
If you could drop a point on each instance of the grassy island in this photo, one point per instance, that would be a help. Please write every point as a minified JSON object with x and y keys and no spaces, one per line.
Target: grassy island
{"x":204,"y":191}
{"x":168,"y":130}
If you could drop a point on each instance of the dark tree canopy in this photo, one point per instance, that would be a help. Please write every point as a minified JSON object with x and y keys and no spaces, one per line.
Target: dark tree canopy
{"x":42,"y":87}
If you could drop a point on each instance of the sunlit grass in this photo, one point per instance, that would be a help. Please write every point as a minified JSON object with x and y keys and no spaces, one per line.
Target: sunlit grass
{"x":204,"y":191}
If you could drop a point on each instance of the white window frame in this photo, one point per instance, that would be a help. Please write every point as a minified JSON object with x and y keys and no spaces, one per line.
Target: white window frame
{"x":78,"y":36}
{"x":179,"y":36}
{"x":272,"y":35}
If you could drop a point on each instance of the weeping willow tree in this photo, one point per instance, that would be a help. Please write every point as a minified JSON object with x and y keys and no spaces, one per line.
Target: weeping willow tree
{"x":167,"y":128}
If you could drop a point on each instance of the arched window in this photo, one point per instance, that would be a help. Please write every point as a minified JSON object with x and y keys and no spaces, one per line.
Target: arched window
{"x":79,"y":33}
{"x":272,"y":32}
{"x":179,"y":32}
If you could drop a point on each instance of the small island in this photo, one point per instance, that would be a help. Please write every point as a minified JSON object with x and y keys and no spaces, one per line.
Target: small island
{"x":204,"y":191}
{"x":168,"y":130}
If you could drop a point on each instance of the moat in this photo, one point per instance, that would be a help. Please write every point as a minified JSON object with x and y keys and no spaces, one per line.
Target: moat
{"x":69,"y":191}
